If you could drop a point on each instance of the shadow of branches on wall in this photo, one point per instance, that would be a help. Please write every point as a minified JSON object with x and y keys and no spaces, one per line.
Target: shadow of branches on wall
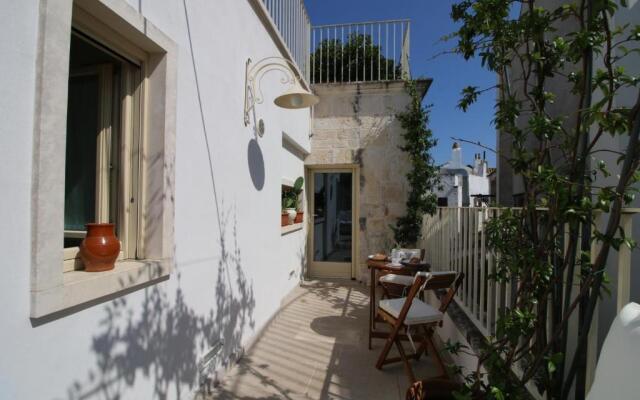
{"x":162,"y":339}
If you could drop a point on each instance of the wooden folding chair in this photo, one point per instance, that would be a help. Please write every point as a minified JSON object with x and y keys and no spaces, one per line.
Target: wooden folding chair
{"x":408,"y":312}
{"x":396,"y":285}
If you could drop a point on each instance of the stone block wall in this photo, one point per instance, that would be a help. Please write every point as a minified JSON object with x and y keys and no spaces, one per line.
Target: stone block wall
{"x":356,"y":124}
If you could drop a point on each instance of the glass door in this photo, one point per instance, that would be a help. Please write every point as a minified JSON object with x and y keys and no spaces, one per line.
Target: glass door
{"x":332,"y":217}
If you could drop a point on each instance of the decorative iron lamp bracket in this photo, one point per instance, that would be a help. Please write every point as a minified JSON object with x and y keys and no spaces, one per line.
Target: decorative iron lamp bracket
{"x":294,"y":98}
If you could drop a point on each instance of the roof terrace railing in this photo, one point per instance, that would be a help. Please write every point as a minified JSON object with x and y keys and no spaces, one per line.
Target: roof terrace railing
{"x":292,"y":21}
{"x":359,"y":52}
{"x":355,"y":52}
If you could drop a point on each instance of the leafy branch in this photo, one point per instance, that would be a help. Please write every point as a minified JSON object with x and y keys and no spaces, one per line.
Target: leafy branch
{"x":545,"y":248}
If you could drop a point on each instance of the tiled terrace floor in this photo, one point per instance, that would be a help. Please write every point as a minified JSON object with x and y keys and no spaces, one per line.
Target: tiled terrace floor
{"x":316,"y":348}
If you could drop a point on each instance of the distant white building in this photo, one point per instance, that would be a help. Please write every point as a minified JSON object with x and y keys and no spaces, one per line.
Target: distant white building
{"x":463,"y":185}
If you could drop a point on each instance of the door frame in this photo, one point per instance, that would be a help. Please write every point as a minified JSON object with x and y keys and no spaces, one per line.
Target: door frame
{"x":354,"y":169}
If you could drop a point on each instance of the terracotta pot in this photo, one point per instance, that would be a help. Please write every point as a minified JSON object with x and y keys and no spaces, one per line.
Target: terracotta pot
{"x":100,"y":248}
{"x":299,"y":217}
{"x":284,"y":219}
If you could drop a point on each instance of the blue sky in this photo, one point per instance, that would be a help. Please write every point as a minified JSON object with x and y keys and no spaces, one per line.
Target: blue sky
{"x":429,"y":22}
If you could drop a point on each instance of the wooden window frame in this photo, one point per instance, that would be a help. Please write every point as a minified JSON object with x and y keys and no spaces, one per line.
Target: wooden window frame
{"x":115,"y":195}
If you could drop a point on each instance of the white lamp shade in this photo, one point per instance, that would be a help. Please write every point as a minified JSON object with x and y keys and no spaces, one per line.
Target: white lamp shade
{"x":296,"y":97}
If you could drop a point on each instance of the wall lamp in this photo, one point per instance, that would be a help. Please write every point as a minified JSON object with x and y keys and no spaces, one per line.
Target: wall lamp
{"x":294,"y":97}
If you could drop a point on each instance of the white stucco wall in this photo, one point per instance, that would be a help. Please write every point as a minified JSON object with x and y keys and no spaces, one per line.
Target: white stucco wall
{"x":450,"y":187}
{"x":233,"y":267}
{"x":478,"y":185}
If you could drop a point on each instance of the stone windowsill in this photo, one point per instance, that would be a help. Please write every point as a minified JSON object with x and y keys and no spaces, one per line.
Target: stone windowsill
{"x":291,"y":228}
{"x":81,"y":287}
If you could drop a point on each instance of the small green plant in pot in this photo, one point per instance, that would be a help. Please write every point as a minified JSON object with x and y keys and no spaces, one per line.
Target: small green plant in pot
{"x":297,"y":189}
{"x":290,"y":200}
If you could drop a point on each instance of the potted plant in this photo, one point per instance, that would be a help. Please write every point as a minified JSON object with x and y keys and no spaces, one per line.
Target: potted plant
{"x":289,"y":206}
{"x":290,"y":200}
{"x":299,"y":217}
{"x":288,"y":203}
{"x":297,"y":189}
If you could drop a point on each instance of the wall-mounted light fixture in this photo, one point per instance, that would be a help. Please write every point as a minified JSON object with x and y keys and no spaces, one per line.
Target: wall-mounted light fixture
{"x":293,"y":98}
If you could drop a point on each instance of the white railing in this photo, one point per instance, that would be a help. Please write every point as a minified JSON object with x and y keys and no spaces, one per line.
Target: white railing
{"x":455,"y":239}
{"x":292,"y":21}
{"x":357,"y":52}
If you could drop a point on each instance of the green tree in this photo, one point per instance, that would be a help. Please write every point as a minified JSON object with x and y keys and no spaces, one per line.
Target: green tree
{"x":545,"y":53}
{"x":357,"y":59}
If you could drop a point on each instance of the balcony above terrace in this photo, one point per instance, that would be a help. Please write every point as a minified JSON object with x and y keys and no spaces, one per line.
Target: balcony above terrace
{"x":342,"y":53}
{"x":360,"y":52}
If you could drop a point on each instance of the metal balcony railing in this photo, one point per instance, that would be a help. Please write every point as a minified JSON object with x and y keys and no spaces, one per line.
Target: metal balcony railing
{"x":359,"y":52}
{"x":356,"y":52}
{"x":292,"y":21}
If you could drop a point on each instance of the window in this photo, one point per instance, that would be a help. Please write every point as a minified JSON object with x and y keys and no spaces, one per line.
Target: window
{"x":104,"y":144}
{"x":443,"y":202}
{"x":103,"y":112}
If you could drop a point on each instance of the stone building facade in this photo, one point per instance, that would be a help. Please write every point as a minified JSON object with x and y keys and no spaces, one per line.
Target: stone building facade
{"x":355,"y":124}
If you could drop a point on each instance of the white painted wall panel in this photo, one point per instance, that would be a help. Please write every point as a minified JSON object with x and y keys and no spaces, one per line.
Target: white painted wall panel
{"x":232,"y":265}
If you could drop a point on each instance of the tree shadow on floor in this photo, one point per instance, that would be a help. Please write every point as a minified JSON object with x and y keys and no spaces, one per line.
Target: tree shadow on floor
{"x":315,"y":342}
{"x":247,"y":367}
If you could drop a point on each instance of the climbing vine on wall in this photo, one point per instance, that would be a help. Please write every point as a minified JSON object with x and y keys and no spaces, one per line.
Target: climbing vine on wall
{"x":423,"y":176}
